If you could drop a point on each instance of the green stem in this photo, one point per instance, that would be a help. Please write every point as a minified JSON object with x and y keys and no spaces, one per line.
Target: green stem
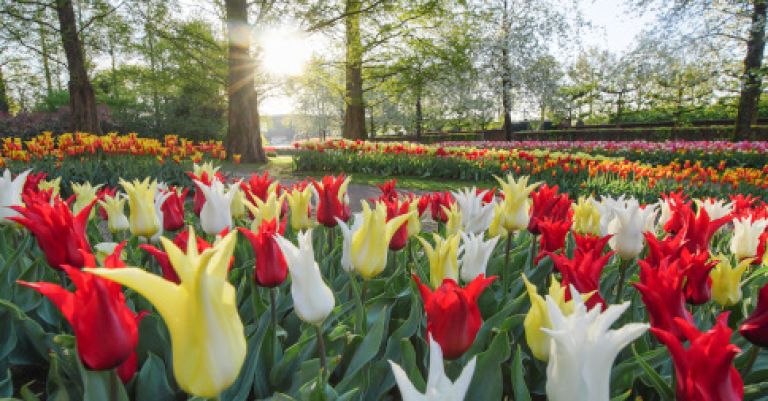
{"x":321,"y":351}
{"x":751,"y":358}
{"x":254,"y":297}
{"x":507,"y":275}
{"x":623,"y":267}
{"x":113,"y":386}
{"x":534,"y":242}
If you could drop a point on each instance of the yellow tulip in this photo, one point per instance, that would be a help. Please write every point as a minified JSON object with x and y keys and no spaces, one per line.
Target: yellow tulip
{"x":513,"y":216}
{"x":266,"y":210}
{"x":115,"y":207}
{"x":586,"y":217}
{"x":538,"y":316}
{"x":726,"y":280}
{"x":367,"y":242}
{"x":207,"y":335}
{"x":443,"y":258}
{"x":207,"y":168}
{"x":414,"y":221}
{"x":85,"y":193}
{"x":238,"y":203}
{"x":53,"y":185}
{"x":495,"y":229}
{"x":453,"y":225}
{"x":299,"y":205}
{"x":141,"y":202}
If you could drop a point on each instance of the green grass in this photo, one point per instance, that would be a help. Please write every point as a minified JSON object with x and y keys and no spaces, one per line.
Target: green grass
{"x":282,"y":166}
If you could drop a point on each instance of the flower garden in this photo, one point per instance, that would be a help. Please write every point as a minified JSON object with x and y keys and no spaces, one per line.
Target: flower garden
{"x":142,"y":269}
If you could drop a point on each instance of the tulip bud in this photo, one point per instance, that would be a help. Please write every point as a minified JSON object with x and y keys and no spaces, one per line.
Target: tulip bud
{"x":143,"y":218}
{"x":726,"y":280}
{"x":117,"y":221}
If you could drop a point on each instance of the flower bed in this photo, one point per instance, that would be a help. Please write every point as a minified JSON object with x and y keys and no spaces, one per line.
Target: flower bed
{"x":251,"y":290}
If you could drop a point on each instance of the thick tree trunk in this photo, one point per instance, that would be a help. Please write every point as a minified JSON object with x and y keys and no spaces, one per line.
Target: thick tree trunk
{"x":506,"y":76}
{"x":751,"y":83}
{"x":354,"y":115}
{"x":4,"y":104}
{"x":82,"y":100}
{"x":244,"y":133}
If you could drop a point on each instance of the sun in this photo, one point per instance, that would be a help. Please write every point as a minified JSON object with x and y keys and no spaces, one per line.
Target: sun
{"x":284,"y":51}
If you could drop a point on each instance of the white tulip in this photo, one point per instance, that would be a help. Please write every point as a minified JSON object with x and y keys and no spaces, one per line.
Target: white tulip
{"x":439,"y":386}
{"x":348,"y":233}
{"x":216,"y":214}
{"x":475,"y":255}
{"x":312,"y":299}
{"x":607,"y":209}
{"x":475,"y":217}
{"x":746,"y":237}
{"x":583,"y":349}
{"x":716,"y":209}
{"x":627,"y":227}
{"x":160,"y":198}
{"x":10,"y":194}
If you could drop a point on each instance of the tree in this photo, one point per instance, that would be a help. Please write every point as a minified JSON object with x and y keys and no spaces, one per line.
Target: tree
{"x":751,"y":84}
{"x":244,"y":133}
{"x":354,"y":115}
{"x":4,"y":104}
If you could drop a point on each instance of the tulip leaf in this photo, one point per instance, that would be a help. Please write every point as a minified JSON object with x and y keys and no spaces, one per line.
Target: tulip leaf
{"x":58,"y":389}
{"x":487,"y":382}
{"x":623,"y":396}
{"x":367,"y":350}
{"x":151,"y":382}
{"x":661,"y":385}
{"x":102,"y":385}
{"x":32,"y":339}
{"x":6,"y":384}
{"x":518,"y":378}
{"x":27,"y":394}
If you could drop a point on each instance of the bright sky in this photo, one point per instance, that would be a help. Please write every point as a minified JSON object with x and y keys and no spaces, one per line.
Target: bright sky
{"x":286,"y":51}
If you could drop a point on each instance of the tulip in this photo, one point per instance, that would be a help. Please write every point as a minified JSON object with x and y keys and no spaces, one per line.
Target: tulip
{"x":746,"y":237}
{"x":10,"y":194}
{"x":388,"y":191}
{"x":366,"y":244}
{"x":143,"y":218}
{"x":627,"y":228}
{"x":453,"y":318}
{"x":726,"y":280}
{"x":299,"y":205}
{"x":438,"y":200}
{"x":538,"y":316}
{"x":606,"y":209}
{"x":396,"y":208}
{"x":53,"y":185}
{"x":439,"y":386}
{"x":59,"y":234}
{"x":513,"y":213}
{"x":164,"y":261}
{"x":586,"y":217}
{"x":32,"y":182}
{"x":716,"y":209}
{"x":661,"y":289}
{"x":696,"y":269}
{"x":205,"y":173}
{"x":475,"y":255}
{"x":475,"y":214}
{"x":173,"y":209}
{"x":583,"y":349}
{"x":85,"y":193}
{"x":271,"y":268}
{"x":313,"y":300}
{"x":658,"y":249}
{"x":107,"y":249}
{"x":266,"y":210}
{"x":547,"y":203}
{"x":671,"y":220}
{"x":216,"y":214}
{"x":755,"y":327}
{"x":96,"y":310}
{"x":260,"y":186}
{"x":553,"y":235}
{"x":452,"y":219}
{"x":698,"y":227}
{"x":443,"y":258}
{"x":332,"y":200}
{"x":584,"y":269}
{"x":238,"y":207}
{"x":705,"y":370}
{"x":200,"y":312}
{"x":117,"y":221}
{"x":414,"y":219}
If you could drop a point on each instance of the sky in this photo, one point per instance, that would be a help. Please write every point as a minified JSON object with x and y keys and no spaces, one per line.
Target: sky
{"x":285,"y":51}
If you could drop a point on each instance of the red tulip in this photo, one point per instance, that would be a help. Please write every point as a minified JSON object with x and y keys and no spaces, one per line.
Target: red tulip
{"x":423,"y":204}
{"x":257,"y":186}
{"x":396,"y":208}
{"x":696,"y":268}
{"x":584,"y":269}
{"x":547,"y":203}
{"x":698,"y":228}
{"x":742,"y":205}
{"x":679,"y":200}
{"x":388,"y":191}
{"x":271,"y":267}
{"x":173,"y":210}
{"x":59,"y":234}
{"x":705,"y":370}
{"x":658,"y":249}
{"x":105,"y":328}
{"x":330,"y":207}
{"x":453,"y":318}
{"x":755,"y":326}
{"x":33,"y":181}
{"x":661,"y":288}
{"x":438,"y":200}
{"x":553,"y":233}
{"x":162,"y":259}
{"x":127,"y":369}
{"x":488,"y":194}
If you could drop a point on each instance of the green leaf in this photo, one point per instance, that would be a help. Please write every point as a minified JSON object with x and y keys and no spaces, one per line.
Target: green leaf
{"x":623,"y":396}
{"x":6,"y":384}
{"x":488,"y":383}
{"x":151,"y":382}
{"x":27,"y":394}
{"x":661,"y":385}
{"x":367,"y":350}
{"x":518,"y":378}
{"x":102,"y":386}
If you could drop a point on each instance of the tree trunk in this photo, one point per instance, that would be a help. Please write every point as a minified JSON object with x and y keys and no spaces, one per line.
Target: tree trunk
{"x":4,"y":104}
{"x":82,"y":100}
{"x":153,"y":70}
{"x":506,"y":76}
{"x":244,"y":132}
{"x":419,"y":116}
{"x":619,"y":108}
{"x":751,"y":81}
{"x":46,"y":63}
{"x":372,"y":131}
{"x":354,"y":116}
